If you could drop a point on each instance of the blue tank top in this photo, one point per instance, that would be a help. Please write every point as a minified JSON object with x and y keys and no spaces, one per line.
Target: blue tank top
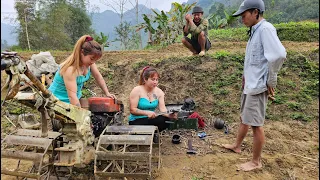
{"x":58,"y":88}
{"x":145,"y":104}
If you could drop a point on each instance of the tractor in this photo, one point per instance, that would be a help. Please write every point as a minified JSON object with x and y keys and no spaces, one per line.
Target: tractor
{"x":71,"y":136}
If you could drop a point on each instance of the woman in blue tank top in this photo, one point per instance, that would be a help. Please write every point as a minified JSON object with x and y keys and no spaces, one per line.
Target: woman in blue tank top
{"x":145,"y":98}
{"x":76,"y":70}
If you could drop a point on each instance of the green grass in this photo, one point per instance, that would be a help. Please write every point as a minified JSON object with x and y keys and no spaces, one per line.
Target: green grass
{"x":292,"y":31}
{"x":293,"y":97}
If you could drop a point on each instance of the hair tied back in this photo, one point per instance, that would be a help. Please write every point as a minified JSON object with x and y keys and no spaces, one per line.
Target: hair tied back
{"x":88,"y":38}
{"x":145,"y":68}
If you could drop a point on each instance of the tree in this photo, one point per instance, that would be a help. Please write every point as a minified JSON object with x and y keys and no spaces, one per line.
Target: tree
{"x":168,"y":25}
{"x":54,"y":24}
{"x":127,"y":36}
{"x":79,"y":24}
{"x":218,"y":9}
{"x":25,"y":11}
{"x":57,"y":18}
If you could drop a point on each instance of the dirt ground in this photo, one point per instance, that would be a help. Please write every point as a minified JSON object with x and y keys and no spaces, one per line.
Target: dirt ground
{"x":291,"y":150}
{"x":285,"y":155}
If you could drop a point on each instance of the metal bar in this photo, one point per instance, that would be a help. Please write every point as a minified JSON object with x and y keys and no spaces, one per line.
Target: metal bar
{"x":36,"y":133}
{"x":31,"y":156}
{"x":126,"y":139}
{"x":24,"y":140}
{"x":44,"y":124}
{"x":136,"y":175}
{"x":20,"y":174}
{"x":134,"y":156}
{"x":37,"y":83}
{"x":131,"y":129}
{"x":108,"y":166}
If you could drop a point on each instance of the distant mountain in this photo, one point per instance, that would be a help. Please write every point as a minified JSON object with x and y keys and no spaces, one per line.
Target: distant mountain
{"x":107,"y":21}
{"x":206,"y":4}
{"x":101,"y":22}
{"x":7,"y":33}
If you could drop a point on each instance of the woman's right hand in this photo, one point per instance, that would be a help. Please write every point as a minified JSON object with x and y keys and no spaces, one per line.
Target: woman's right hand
{"x":173,"y":116}
{"x":151,"y":114}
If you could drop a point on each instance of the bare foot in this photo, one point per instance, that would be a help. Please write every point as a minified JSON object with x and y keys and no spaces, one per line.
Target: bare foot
{"x":249,"y":166}
{"x":232,"y":148}
{"x":202,"y":53}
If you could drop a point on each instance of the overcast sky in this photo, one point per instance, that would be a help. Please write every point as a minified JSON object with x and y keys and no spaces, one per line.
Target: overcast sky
{"x":8,"y":11}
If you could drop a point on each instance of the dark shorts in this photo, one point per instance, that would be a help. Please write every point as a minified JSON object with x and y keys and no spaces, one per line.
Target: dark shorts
{"x":196,"y":45}
{"x":159,"y":121}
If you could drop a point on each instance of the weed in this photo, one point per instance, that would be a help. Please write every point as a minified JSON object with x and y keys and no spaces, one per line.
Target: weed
{"x":300,"y":116}
{"x":294,"y":105}
{"x":139,"y":65}
{"x":220,"y":54}
{"x":196,"y":178}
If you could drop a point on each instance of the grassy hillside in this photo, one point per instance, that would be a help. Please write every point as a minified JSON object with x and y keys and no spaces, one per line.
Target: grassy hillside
{"x":214,"y":81}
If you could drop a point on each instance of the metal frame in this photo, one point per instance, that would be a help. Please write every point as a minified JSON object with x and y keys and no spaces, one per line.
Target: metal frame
{"x":126,"y":151}
{"x":27,"y":139}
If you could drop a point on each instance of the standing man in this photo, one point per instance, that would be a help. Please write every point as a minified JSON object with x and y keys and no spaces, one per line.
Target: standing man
{"x":263,"y":59}
{"x":198,"y":27}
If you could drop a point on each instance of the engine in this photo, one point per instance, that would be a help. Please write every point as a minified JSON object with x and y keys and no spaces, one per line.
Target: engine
{"x":106,"y":111}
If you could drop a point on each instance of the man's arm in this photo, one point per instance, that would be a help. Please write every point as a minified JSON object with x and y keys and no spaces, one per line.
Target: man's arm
{"x":197,"y":29}
{"x":274,"y":52}
{"x":186,"y":27}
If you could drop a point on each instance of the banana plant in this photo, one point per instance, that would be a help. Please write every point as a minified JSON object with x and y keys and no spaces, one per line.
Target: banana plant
{"x":179,"y":11}
{"x":216,"y":22}
{"x":230,"y":19}
{"x":163,"y":30}
{"x":102,"y":39}
{"x":177,"y":17}
{"x":147,"y":26}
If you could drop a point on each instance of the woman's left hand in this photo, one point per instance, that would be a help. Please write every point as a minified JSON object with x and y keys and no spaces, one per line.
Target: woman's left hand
{"x":111,"y":95}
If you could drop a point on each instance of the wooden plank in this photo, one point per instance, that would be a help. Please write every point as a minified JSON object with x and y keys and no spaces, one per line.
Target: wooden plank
{"x":134,"y":156}
{"x":31,"y":156}
{"x":126,"y":139}
{"x":131,"y":129}
{"x":20,"y":174}
{"x":133,"y":175}
{"x":25,"y":140}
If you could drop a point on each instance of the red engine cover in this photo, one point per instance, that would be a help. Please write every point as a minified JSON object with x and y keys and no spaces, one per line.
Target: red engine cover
{"x":103,"y":104}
